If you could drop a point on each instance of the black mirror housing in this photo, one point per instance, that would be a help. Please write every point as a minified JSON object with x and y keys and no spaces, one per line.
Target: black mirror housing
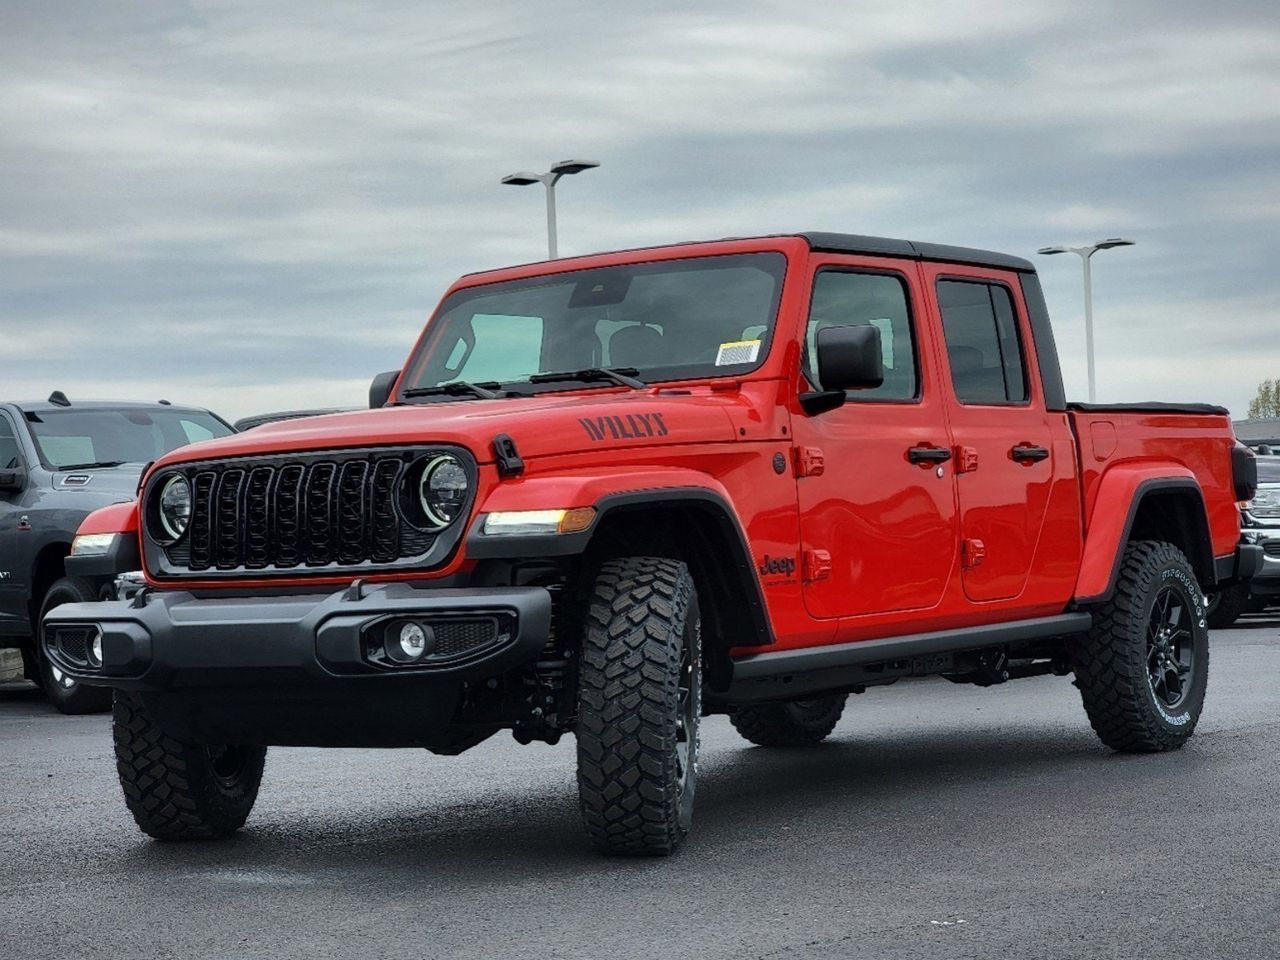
{"x":12,"y":480}
{"x":848,"y":358}
{"x":380,"y":389}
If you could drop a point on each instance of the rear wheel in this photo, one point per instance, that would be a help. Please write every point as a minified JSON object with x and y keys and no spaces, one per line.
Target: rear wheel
{"x":66,"y":694}
{"x":180,"y":789}
{"x":1143,"y":667}
{"x":639,"y":704}
{"x":1225,"y":606}
{"x":799,"y":723}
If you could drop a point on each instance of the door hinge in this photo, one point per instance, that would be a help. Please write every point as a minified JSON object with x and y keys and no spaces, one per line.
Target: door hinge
{"x":972,"y":553}
{"x":966,"y":460}
{"x":816,"y":565}
{"x":810,"y":462}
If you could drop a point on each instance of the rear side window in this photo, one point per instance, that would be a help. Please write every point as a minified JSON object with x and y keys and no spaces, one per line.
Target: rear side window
{"x":984,"y":350}
{"x":844,"y":299}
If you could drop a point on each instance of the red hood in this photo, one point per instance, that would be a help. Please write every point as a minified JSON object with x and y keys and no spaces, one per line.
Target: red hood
{"x":549,"y":424}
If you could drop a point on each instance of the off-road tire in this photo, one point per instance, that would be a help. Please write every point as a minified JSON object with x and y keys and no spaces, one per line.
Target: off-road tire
{"x":801,"y":723}
{"x":1111,"y":661}
{"x":641,"y":648}
{"x":67,"y":695}
{"x":1228,"y":605}
{"x":175,"y":788}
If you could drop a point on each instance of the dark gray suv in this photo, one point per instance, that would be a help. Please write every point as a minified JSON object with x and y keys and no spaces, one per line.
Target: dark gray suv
{"x":58,"y":462}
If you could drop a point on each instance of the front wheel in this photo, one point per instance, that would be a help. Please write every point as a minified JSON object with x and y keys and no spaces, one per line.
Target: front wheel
{"x":639,"y":703}
{"x":1143,"y":666}
{"x":180,"y":789}
{"x":66,"y":694}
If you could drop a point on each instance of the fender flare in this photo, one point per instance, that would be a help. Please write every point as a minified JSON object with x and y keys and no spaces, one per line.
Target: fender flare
{"x":123,"y":556}
{"x":617,"y":494}
{"x":1109,"y":527}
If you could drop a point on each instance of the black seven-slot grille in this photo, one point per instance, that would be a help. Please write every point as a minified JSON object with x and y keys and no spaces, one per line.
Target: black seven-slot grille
{"x":306,"y":511}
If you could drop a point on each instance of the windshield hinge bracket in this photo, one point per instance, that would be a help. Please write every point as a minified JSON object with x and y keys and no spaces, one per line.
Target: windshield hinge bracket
{"x":507,"y":456}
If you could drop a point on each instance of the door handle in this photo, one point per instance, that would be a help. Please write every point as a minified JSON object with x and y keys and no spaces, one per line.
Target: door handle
{"x":929,"y":454}
{"x":1028,"y":453}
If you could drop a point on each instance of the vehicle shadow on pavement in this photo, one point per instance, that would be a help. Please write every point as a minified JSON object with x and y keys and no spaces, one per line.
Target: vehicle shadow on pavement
{"x":420,"y":841}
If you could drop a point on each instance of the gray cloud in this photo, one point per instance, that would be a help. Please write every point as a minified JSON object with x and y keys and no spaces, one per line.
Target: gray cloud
{"x":255,"y":205}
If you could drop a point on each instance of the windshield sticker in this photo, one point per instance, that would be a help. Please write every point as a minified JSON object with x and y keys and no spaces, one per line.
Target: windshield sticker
{"x":633,"y":426}
{"x":737,"y":351}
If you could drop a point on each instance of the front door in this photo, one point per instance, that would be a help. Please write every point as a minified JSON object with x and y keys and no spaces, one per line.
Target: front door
{"x":877,"y":512}
{"x":13,"y":561}
{"x":1004,"y":442}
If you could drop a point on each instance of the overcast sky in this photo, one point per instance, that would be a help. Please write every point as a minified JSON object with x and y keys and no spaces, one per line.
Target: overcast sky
{"x":255,"y":206}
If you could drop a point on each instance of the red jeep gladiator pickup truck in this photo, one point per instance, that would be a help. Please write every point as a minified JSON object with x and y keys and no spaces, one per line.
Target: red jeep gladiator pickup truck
{"x":613,"y":494}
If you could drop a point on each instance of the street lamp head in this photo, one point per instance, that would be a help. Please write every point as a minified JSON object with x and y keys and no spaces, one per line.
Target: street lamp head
{"x":1049,"y":250}
{"x":522,"y":179}
{"x":1113,"y":242}
{"x":567,"y":167}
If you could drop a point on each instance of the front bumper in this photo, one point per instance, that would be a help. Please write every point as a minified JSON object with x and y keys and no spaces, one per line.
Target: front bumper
{"x":1266,"y":580}
{"x":175,"y":639}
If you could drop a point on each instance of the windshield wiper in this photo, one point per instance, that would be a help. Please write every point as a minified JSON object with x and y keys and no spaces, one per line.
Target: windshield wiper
{"x":459,"y":388}
{"x":91,"y":465}
{"x":622,"y":376}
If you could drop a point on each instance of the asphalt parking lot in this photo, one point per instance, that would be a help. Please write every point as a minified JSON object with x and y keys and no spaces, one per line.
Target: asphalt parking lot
{"x":939,"y":821}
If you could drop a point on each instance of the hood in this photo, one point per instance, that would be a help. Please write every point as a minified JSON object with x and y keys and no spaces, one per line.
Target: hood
{"x":102,"y":484}
{"x":541,"y":425}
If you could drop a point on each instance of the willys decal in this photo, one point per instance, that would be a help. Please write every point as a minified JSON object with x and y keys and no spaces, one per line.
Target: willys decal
{"x":631,"y":426}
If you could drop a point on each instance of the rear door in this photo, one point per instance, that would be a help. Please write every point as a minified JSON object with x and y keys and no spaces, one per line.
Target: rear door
{"x":1004,"y":440}
{"x":878,"y":521}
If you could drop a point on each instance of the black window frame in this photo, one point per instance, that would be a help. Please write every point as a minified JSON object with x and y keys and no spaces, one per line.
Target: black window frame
{"x":858,"y":396}
{"x":416,"y":365}
{"x":1017,"y":327}
{"x":6,"y":419}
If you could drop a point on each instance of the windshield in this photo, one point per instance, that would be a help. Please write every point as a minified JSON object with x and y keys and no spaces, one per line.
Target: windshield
{"x":68,"y":438}
{"x":667,"y":320}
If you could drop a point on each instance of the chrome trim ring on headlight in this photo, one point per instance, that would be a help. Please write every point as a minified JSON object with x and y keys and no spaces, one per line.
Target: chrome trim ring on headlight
{"x":173,"y":507}
{"x":443,"y":489}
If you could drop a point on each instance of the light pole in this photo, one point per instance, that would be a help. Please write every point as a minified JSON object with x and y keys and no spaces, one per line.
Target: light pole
{"x":562,"y":169}
{"x":1085,"y":254}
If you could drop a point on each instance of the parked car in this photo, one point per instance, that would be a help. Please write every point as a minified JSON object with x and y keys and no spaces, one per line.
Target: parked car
{"x":1260,"y":520}
{"x":610,"y":495}
{"x":59,"y":461}
{"x":258,"y":419}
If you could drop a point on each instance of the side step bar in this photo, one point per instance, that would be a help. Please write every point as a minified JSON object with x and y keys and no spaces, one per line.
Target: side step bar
{"x":782,"y":673}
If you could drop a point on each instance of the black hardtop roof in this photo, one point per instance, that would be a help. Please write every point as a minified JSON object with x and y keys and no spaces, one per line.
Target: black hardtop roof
{"x":889,"y":247}
{"x":840,"y":243}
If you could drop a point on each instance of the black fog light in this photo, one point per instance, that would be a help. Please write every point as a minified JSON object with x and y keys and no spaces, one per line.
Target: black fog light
{"x":408,"y":641}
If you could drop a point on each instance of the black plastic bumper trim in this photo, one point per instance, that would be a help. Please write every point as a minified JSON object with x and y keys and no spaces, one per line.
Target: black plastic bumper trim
{"x":178,"y":639}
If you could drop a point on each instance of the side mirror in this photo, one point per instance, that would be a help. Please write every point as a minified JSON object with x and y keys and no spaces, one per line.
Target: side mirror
{"x":380,"y":389}
{"x":848,"y":358}
{"x":12,"y":480}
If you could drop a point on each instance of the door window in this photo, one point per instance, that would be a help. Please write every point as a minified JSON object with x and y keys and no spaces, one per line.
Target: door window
{"x":9,"y":457}
{"x":845,"y":299}
{"x":984,"y":350}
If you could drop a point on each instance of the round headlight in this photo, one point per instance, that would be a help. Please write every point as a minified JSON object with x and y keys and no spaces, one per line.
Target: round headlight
{"x":175,"y":507}
{"x":443,"y":490}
